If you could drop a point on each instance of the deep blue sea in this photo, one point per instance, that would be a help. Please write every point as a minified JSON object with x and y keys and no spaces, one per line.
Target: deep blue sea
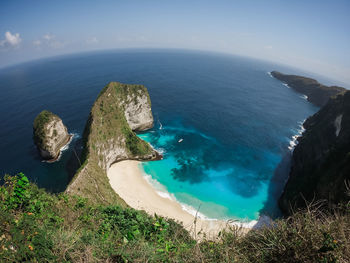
{"x":222,"y":122}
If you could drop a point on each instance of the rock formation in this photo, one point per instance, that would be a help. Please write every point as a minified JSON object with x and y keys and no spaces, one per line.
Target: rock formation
{"x":49,"y":134}
{"x":316,"y":93}
{"x":108,"y":138}
{"x":321,"y":160}
{"x":137,"y":110}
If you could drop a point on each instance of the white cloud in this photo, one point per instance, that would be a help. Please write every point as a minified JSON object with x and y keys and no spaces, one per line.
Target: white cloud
{"x":49,"y":37}
{"x":92,"y":40}
{"x":37,"y":43}
{"x":48,"y":41}
{"x":56,"y":44}
{"x":11,"y":40}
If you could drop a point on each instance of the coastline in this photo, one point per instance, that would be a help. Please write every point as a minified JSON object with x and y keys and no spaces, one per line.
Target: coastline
{"x":127,"y":180}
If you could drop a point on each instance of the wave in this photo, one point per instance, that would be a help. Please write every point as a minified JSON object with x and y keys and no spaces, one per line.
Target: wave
{"x":160,"y":124}
{"x":294,"y":141}
{"x":160,"y":150}
{"x":162,"y":192}
{"x":304,"y":97}
{"x":269,"y":73}
{"x":285,"y":84}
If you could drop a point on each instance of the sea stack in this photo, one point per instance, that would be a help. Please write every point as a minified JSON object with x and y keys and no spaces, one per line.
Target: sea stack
{"x":49,"y":135}
{"x":109,"y":137}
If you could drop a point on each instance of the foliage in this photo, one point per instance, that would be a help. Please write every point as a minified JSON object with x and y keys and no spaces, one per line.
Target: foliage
{"x":39,"y":126}
{"x":135,"y":145}
{"x":36,"y":226}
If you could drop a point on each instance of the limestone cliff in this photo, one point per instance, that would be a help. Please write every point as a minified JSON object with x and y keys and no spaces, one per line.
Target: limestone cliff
{"x":316,"y":93}
{"x":108,"y":138}
{"x":321,"y":160}
{"x":49,"y":134}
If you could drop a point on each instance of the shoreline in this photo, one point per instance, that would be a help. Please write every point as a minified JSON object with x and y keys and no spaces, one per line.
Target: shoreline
{"x":127,"y":180}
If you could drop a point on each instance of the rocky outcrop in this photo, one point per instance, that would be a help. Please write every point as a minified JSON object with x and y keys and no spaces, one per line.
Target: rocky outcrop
{"x":108,"y":138}
{"x":321,"y":160}
{"x":137,"y":110}
{"x":50,"y":135}
{"x":316,"y":93}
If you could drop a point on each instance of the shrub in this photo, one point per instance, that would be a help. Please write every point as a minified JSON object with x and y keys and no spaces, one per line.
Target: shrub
{"x":36,"y":226}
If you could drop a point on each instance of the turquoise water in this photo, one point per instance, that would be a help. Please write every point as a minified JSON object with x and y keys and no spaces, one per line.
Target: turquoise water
{"x":235,"y":123}
{"x":204,"y":186}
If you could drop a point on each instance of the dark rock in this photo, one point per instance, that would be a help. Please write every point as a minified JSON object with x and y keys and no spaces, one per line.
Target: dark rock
{"x":316,"y":93}
{"x":321,"y":160}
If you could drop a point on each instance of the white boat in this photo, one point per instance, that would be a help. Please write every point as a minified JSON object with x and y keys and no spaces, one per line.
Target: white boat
{"x":181,"y":140}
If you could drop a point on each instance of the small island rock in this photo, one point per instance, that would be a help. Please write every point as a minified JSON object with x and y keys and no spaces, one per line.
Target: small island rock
{"x":49,"y":135}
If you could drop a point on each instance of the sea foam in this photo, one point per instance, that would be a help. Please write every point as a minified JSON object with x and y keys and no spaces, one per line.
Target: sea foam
{"x":294,"y":141}
{"x":304,"y":97}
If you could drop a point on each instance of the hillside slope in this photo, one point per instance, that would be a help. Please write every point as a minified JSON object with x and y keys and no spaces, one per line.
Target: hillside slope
{"x":316,"y":93}
{"x":37,"y":226}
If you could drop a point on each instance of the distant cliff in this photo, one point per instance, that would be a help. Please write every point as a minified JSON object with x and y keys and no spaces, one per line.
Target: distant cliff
{"x":49,"y":135}
{"x":321,"y":160}
{"x":108,"y":138}
{"x":316,"y":93}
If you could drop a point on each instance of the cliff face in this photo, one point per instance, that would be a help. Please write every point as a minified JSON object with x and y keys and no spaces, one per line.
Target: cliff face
{"x":321,"y":160}
{"x":137,"y":110}
{"x":49,"y":134}
{"x":317,"y":93}
{"x":109,"y":138}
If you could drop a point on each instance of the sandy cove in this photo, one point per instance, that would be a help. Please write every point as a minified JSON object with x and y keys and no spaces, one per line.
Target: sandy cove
{"x":128,"y":182}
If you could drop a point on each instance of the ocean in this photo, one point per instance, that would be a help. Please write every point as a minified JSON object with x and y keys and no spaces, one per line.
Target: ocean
{"x":226,"y":128}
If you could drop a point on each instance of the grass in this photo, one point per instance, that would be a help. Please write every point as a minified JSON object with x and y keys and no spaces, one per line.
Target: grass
{"x":36,"y":226}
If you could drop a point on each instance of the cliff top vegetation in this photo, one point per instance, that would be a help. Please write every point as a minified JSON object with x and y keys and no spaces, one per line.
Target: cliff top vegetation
{"x":37,"y":226}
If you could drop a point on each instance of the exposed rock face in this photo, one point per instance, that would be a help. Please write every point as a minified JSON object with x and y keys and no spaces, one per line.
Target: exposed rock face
{"x":321,"y":160}
{"x":109,"y":138}
{"x":316,"y":93}
{"x":137,"y":111}
{"x":49,"y":134}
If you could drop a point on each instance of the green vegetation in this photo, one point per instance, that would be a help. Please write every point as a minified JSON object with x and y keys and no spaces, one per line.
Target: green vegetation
{"x":39,"y":126}
{"x":133,"y":143}
{"x":107,"y":133}
{"x":36,"y":226}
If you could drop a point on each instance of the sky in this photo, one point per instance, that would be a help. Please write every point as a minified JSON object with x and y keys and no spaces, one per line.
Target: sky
{"x":312,"y":35}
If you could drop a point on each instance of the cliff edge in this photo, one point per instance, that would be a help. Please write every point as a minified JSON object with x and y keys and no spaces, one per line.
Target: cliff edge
{"x":49,"y":135}
{"x":321,"y":160}
{"x":316,"y":93}
{"x":108,"y":138}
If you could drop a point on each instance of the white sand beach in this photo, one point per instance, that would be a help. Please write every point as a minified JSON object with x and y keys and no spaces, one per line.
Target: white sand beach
{"x":128,"y":182}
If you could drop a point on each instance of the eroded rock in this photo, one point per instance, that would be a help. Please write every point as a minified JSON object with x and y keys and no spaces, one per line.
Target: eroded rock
{"x":49,"y":134}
